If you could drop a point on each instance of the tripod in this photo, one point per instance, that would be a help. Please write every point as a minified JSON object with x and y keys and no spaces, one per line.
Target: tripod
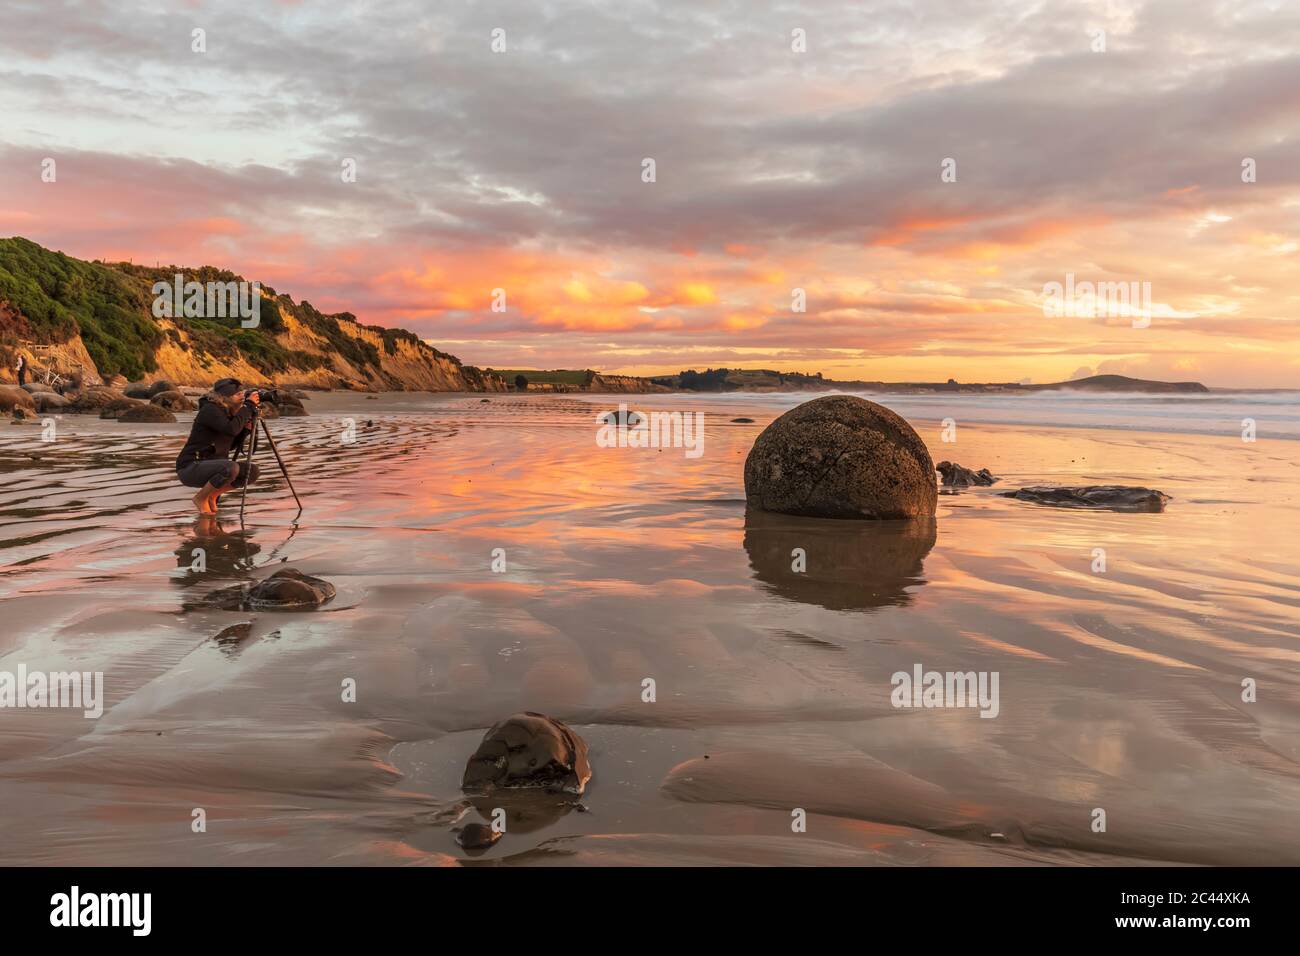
{"x":248,"y":460}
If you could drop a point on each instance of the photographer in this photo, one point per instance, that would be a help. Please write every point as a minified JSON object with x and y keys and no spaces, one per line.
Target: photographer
{"x":209,"y":460}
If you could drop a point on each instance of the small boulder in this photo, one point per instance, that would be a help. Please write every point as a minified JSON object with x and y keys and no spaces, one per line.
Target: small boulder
{"x":286,"y":590}
{"x":956,"y":476}
{"x":138,"y":390}
{"x":1095,"y":497}
{"x":118,"y":406}
{"x":173,"y":401}
{"x":477,"y":836}
{"x":144,"y":412}
{"x":160,"y":386}
{"x":529,"y":750}
{"x":841,"y":457}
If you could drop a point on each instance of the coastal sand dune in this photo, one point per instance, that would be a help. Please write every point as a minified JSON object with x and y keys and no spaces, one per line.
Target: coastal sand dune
{"x":1118,"y":690}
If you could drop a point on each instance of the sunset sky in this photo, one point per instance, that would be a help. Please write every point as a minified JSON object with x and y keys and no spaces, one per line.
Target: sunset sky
{"x":776,"y":169}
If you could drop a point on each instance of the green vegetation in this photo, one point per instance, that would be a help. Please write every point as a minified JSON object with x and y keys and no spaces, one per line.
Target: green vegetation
{"x":48,"y":297}
{"x":61,"y":297}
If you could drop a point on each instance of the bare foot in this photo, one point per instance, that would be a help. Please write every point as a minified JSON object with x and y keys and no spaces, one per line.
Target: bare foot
{"x":202,"y":501}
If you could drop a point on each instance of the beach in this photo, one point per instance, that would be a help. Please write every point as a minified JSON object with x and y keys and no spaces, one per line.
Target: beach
{"x":491,"y":558}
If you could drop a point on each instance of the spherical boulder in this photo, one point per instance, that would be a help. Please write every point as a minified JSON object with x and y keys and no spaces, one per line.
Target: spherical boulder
{"x":160,"y":386}
{"x":144,"y":412}
{"x":92,"y":399}
{"x":50,"y":401}
{"x":119,"y":406}
{"x":138,"y":390}
{"x":841,"y":457}
{"x":529,"y":750}
{"x":12,"y":397}
{"x":174,"y":401}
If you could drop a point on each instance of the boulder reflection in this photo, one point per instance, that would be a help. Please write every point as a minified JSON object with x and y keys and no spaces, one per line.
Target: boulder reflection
{"x":850,"y":565}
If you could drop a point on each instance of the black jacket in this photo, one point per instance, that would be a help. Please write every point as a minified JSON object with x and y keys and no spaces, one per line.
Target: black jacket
{"x":214,"y":433}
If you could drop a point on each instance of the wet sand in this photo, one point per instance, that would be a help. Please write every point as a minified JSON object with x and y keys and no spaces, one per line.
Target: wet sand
{"x":1120,"y":690}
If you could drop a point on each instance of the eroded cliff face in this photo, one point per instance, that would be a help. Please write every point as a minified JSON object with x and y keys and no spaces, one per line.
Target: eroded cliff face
{"x":410,"y":366}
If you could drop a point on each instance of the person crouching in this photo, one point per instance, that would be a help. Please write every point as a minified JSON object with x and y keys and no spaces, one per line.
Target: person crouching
{"x":209,"y":460}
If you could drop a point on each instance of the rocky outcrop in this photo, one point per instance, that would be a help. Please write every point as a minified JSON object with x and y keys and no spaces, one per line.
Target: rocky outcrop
{"x":1094,"y":497}
{"x":841,"y":457}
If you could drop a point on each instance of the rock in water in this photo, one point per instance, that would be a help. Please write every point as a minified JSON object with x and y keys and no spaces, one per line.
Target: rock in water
{"x":1097,"y":497}
{"x":529,"y":750}
{"x":841,"y":457}
{"x":477,"y":836}
{"x":286,"y":590}
{"x":955,"y":476}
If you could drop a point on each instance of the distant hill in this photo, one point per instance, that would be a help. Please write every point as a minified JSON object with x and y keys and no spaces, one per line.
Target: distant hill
{"x":97,"y":318}
{"x":1119,"y":383}
{"x":766,"y":380}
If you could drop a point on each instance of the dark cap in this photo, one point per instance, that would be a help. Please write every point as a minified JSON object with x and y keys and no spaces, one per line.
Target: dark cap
{"x":226,"y":387}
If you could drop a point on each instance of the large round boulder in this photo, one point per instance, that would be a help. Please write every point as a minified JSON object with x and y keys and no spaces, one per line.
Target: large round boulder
{"x":50,"y":401}
{"x":119,"y":406}
{"x":529,"y":750}
{"x":173,"y":401}
{"x":95,"y":398}
{"x":138,"y":390}
{"x":841,"y":457}
{"x":160,"y":386}
{"x":31,"y":388}
{"x":11,"y":397}
{"x":144,"y":412}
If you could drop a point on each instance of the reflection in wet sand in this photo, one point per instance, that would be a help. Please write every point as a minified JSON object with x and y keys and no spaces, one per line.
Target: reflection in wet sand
{"x":840,"y":565}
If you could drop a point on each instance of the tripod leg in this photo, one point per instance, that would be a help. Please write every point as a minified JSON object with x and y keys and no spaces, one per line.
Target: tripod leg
{"x":248,"y":460}
{"x":284,"y":471}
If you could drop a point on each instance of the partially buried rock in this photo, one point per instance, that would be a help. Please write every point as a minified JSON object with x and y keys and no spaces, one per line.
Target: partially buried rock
{"x":286,"y":590}
{"x":841,"y":457}
{"x":144,"y":412}
{"x":1096,"y":497}
{"x":12,"y":397}
{"x":529,"y":750}
{"x":956,"y":476}
{"x":477,"y":836}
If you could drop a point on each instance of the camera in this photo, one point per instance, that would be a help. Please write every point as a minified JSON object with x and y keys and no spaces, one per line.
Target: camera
{"x":271,"y":395}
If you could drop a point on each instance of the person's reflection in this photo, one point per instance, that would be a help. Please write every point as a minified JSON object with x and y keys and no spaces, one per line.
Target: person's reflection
{"x":846,"y":565}
{"x":213,"y":552}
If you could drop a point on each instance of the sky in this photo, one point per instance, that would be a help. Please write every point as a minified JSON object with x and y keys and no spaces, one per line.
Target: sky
{"x":796,"y":146}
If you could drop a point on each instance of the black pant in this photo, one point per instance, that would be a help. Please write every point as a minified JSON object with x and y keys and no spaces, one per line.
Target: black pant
{"x":216,"y":472}
{"x":22,"y":375}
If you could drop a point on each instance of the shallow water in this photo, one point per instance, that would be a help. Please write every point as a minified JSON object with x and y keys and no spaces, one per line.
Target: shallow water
{"x":1119,"y":691}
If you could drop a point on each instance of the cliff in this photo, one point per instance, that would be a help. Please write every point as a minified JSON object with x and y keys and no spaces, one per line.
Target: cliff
{"x":97,"y":319}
